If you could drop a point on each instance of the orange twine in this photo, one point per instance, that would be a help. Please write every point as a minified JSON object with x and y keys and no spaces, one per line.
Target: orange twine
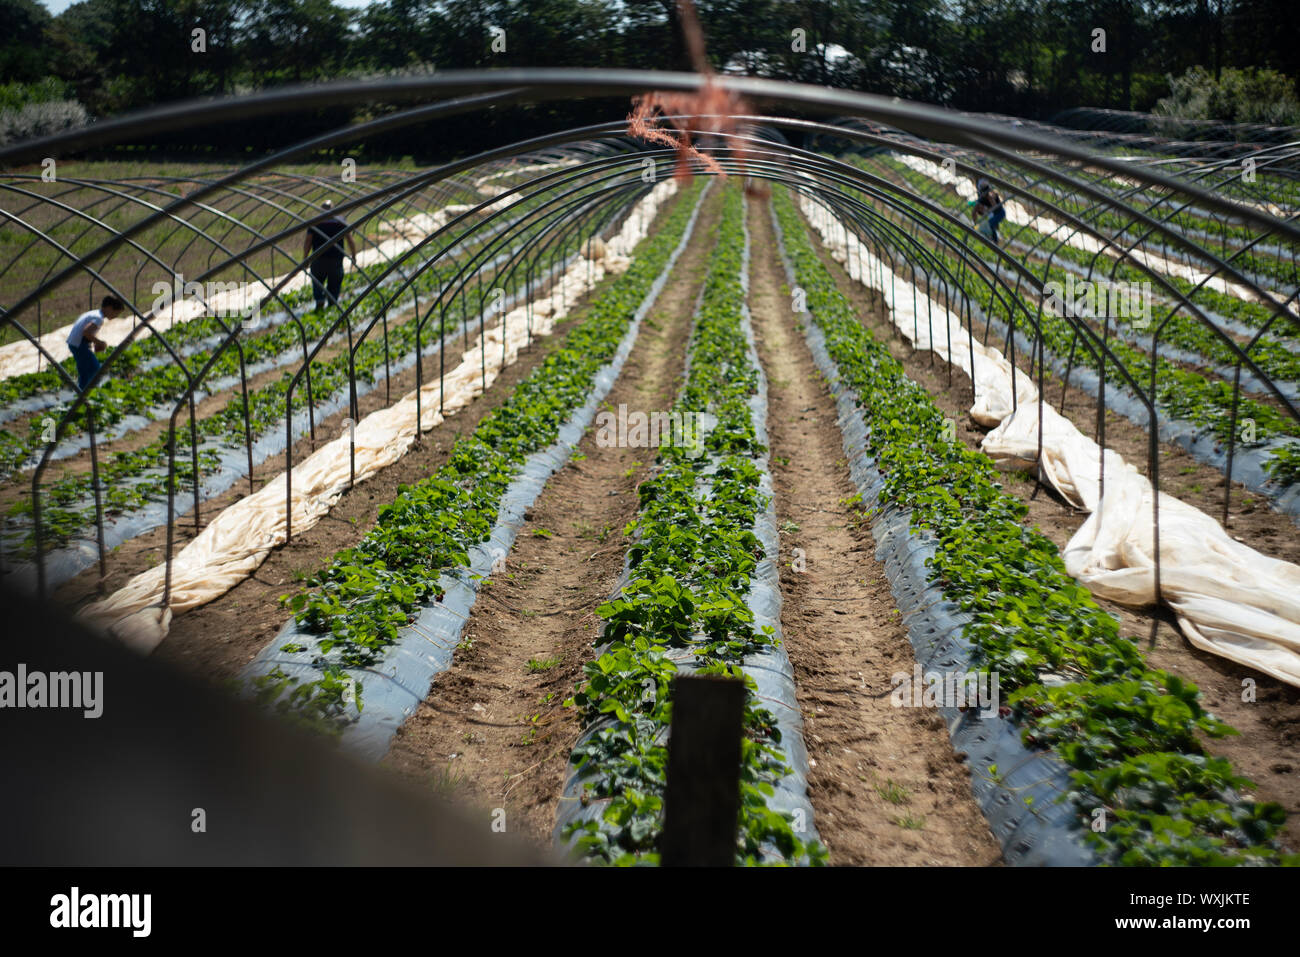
{"x":675,"y":120}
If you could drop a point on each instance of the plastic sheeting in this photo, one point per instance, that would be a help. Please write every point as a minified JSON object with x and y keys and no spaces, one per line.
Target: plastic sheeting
{"x":1086,"y":242}
{"x":1035,"y":833}
{"x":236,"y":542}
{"x":394,"y":688}
{"x":21,"y":357}
{"x":1230,"y":600}
{"x":770,"y":668}
{"x":1249,"y":465}
{"x":481,"y":184}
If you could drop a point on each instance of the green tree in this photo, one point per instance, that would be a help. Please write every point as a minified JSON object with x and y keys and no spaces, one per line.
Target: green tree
{"x":24,"y":50}
{"x":295,"y":39}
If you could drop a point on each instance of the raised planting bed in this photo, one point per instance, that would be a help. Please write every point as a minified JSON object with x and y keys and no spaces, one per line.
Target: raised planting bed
{"x":387,"y":613}
{"x":699,"y":595}
{"x":1141,"y":790}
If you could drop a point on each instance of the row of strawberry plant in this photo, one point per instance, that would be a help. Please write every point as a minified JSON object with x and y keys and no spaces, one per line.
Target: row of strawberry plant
{"x":1131,"y":733}
{"x":131,"y":479}
{"x":1274,"y":356}
{"x":357,"y":605}
{"x":1205,"y":401}
{"x":684,"y":606}
{"x":1267,"y":187}
{"x":1161,"y":205}
{"x":133,"y":390}
{"x":1238,"y":245}
{"x":145,"y":389}
{"x":1201,"y":222}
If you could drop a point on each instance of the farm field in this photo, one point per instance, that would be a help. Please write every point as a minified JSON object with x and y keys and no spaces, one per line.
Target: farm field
{"x":526,"y":713}
{"x":712,"y":486}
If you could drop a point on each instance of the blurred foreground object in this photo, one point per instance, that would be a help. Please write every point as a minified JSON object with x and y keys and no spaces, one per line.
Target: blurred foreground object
{"x":126,"y":788}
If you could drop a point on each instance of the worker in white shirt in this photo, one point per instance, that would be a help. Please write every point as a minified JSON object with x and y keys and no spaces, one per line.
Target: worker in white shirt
{"x":83,"y":342}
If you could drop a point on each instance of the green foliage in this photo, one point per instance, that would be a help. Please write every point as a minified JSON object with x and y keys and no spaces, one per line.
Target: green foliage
{"x":1014,"y":56}
{"x":1076,"y":685}
{"x":356,"y":606}
{"x":689,"y":570}
{"x":14,"y":96}
{"x":1246,"y":95}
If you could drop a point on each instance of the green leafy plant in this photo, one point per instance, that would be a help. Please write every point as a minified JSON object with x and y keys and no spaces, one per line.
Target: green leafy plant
{"x":690,"y":565}
{"x":1075,"y":685}
{"x":357,"y":605}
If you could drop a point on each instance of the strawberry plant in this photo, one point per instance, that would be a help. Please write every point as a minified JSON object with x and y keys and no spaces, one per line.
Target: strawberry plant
{"x":1077,"y":686}
{"x":684,"y":605}
{"x":355,"y":607}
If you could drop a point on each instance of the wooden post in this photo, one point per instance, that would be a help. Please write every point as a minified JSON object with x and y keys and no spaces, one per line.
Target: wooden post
{"x":702,"y":797}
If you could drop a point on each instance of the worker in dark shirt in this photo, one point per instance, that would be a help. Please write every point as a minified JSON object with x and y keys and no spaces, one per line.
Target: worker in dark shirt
{"x":327,"y":268}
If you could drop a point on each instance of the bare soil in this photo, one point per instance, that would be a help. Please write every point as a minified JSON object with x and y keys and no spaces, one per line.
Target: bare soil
{"x":218,"y":639}
{"x":221,"y":637}
{"x":885,"y":783}
{"x":1269,"y":726}
{"x":492,"y":730}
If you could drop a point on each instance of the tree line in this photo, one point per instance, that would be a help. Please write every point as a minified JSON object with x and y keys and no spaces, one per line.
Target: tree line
{"x":1025,"y":57}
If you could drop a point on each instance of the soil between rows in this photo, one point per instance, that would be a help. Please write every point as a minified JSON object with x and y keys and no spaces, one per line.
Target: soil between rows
{"x":492,"y":730}
{"x":221,"y":637}
{"x":885,"y":783}
{"x":218,"y":639}
{"x":1265,"y":751}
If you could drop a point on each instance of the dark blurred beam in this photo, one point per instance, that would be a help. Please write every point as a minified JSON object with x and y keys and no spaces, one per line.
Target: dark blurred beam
{"x":122,"y":789}
{"x":702,"y":796}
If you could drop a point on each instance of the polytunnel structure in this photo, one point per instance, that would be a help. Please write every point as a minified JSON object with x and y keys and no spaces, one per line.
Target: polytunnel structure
{"x":1138,"y":281}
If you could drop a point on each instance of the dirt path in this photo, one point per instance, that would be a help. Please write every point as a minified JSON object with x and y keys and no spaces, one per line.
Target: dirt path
{"x":886,"y":786}
{"x":1265,"y":751}
{"x":218,"y":639}
{"x":492,"y":729}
